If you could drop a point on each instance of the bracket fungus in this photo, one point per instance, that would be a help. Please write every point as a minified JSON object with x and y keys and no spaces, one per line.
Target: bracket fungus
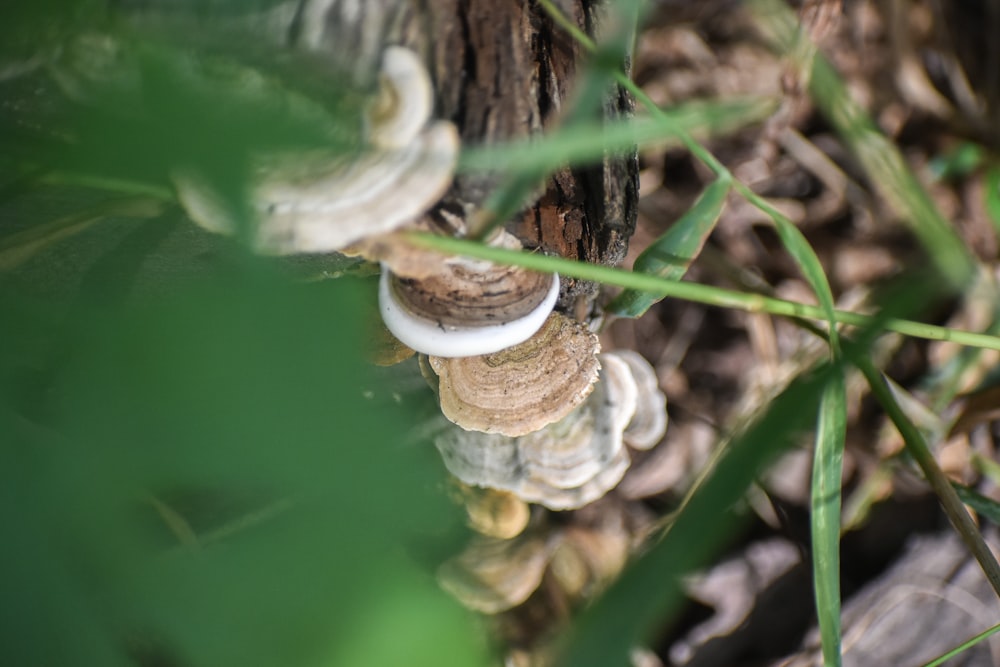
{"x":404,"y":102}
{"x":460,"y":307}
{"x":522,"y":388}
{"x":569,"y":463}
{"x":323,"y":201}
{"x":575,"y":558}
{"x":650,"y":420}
{"x":495,"y":513}
{"x":493,"y":575}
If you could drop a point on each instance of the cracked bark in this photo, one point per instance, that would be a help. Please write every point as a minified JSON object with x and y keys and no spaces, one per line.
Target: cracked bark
{"x":517,"y":77}
{"x":504,"y":71}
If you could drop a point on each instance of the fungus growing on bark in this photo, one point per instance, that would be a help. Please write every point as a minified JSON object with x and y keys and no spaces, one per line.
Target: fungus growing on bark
{"x":495,"y":513}
{"x":569,"y":463}
{"x":460,"y":307}
{"x":321,"y":201}
{"x":522,"y":388}
{"x":649,"y":422}
{"x":492,"y":575}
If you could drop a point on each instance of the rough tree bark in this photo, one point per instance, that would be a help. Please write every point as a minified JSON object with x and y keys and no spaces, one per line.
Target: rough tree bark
{"x":503,"y":71}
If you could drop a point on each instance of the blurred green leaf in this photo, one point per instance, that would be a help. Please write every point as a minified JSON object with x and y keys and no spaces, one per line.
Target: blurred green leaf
{"x":959,"y":162}
{"x":212,"y":8}
{"x":670,"y":255}
{"x":649,"y":591}
{"x":991,"y":196}
{"x":31,"y":29}
{"x":243,"y":388}
{"x":382,"y":630}
{"x":19,"y":247}
{"x":588,"y":142}
{"x":825,"y":517}
{"x":988,"y":507}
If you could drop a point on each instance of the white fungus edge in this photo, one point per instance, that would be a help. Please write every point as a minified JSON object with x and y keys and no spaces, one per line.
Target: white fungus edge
{"x":437,"y":340}
{"x":405,"y":72}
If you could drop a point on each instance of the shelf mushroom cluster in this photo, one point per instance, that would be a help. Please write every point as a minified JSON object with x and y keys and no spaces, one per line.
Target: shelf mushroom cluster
{"x":452,"y":307}
{"x":539,"y":415}
{"x":538,"y":410}
{"x":546,"y":569}
{"x":493,"y":575}
{"x":324,"y":201}
{"x":569,"y":462}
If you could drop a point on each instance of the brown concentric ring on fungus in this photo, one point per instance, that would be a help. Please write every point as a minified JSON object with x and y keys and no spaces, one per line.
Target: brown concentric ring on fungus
{"x":564,"y":465}
{"x":464,"y":292}
{"x":522,"y":388}
{"x":457,"y":306}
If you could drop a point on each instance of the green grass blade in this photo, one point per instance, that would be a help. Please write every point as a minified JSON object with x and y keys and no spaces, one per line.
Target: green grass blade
{"x":991,"y":197}
{"x":589,"y":142}
{"x":826,"y":502}
{"x":649,"y":591}
{"x":917,"y":447}
{"x":670,"y":255}
{"x":707,"y":294}
{"x":987,"y":507}
{"x":880,"y":158}
{"x":972,"y":641}
{"x":805,"y":257}
{"x":19,"y":247}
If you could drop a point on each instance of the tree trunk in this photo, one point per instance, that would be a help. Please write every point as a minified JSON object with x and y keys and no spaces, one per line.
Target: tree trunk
{"x":503,"y":71}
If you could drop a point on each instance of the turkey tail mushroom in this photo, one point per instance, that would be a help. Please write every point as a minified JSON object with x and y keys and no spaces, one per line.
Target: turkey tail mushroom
{"x":522,"y":388}
{"x":569,"y":463}
{"x":459,"y":307}
{"x":322,"y":201}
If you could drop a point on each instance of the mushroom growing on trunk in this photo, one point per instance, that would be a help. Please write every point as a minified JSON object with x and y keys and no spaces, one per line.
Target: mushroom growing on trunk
{"x":522,"y":388}
{"x":324,"y":200}
{"x":459,"y":307}
{"x":574,"y":461}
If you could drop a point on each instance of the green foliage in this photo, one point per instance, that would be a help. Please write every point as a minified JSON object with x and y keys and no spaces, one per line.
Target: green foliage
{"x":825,"y":506}
{"x":220,"y":403}
{"x":207,"y":472}
{"x":214,"y":478}
{"x":992,"y":196}
{"x":670,"y":255}
{"x":587,"y":142}
{"x":630,"y":610}
{"x":959,"y":162}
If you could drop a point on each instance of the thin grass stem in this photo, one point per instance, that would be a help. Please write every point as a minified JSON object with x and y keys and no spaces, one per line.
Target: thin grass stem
{"x":116,"y":185}
{"x":972,"y":641}
{"x":938,"y":481}
{"x":706,"y":294}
